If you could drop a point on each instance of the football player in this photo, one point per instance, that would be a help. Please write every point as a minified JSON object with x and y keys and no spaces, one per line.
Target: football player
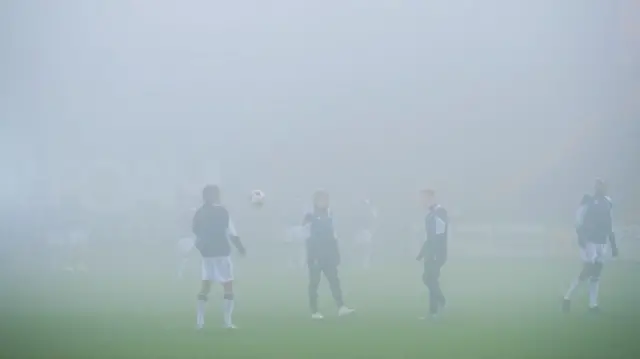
{"x":594,"y":226}
{"x":214,"y":232}
{"x":323,"y":255}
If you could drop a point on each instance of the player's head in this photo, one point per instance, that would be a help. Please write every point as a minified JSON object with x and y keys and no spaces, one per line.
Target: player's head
{"x":428,"y":197}
{"x":321,"y":199}
{"x":600,"y":188}
{"x":211,"y":194}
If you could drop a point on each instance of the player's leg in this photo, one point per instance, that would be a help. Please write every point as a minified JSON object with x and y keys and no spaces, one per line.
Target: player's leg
{"x":314,"y":281}
{"x":585,"y":273}
{"x":229,"y":304}
{"x":442,"y":301}
{"x":207,"y":276}
{"x":435,"y":289}
{"x":330,"y":271}
{"x":224,"y":276}
{"x":202,"y":302}
{"x":594,"y":279}
{"x":587,"y":254}
{"x":431,"y":278}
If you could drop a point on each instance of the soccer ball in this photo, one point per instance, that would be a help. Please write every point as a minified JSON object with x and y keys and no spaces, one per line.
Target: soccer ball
{"x":257,"y":198}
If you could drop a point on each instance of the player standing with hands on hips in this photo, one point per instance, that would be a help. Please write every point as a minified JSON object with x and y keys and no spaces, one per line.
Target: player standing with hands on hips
{"x":214,"y":230}
{"x":434,"y":250}
{"x":323,"y":255}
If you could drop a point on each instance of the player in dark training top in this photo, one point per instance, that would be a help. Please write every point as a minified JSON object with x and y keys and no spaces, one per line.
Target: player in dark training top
{"x":214,"y":230}
{"x":594,"y":227}
{"x":323,"y":255}
{"x":434,"y":250}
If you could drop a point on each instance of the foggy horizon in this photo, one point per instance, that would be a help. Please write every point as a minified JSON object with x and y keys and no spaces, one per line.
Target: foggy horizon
{"x":115,"y":115}
{"x":498,"y":106}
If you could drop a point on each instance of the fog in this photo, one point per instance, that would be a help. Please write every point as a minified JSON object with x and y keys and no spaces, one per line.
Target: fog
{"x":126,"y":109}
{"x":115,"y":114}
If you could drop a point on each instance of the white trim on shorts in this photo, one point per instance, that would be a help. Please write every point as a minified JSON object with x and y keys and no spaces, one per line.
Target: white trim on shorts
{"x":593,"y":252}
{"x":217,"y":269}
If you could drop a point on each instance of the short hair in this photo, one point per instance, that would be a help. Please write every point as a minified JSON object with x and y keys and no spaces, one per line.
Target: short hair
{"x":211,"y":193}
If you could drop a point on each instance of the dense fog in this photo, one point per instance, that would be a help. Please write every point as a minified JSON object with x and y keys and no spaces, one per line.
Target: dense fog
{"x":121,"y":111}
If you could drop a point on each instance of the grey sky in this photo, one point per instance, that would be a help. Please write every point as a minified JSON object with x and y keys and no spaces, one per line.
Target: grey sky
{"x":495,"y":103}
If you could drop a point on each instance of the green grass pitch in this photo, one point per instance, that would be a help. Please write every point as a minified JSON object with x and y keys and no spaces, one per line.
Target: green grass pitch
{"x":497,"y":309}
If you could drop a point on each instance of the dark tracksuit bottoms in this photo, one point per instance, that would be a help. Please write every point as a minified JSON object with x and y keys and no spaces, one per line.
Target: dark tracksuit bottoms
{"x":433,"y":262}
{"x":324,"y":259}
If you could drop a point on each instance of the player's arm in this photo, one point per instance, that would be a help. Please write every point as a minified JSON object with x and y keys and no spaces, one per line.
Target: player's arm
{"x":198,"y":229}
{"x":234,"y":238}
{"x":579,"y":222}
{"x":442,"y":222}
{"x":336,"y":247}
{"x":307,"y":219}
{"x":438,"y":248}
{"x":196,"y":224}
{"x":333,"y":226}
{"x":612,"y":235}
{"x":423,"y":249}
{"x":614,"y":245}
{"x":582,"y":209}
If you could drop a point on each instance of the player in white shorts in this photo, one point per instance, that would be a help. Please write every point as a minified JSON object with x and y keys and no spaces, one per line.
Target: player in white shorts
{"x":214,"y":231}
{"x":594,"y":227}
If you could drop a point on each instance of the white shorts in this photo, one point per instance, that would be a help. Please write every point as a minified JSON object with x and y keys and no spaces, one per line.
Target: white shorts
{"x":217,"y":269}
{"x":593,"y":252}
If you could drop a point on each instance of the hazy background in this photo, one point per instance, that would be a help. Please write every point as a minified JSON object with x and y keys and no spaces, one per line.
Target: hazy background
{"x":115,"y":113}
{"x":507,"y":108}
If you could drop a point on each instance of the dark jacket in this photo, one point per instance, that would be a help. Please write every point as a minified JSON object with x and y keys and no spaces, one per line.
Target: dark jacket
{"x":211,"y":225}
{"x":322,"y":243}
{"x":437,"y":227}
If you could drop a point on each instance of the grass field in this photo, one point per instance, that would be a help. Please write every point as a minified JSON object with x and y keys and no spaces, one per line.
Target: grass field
{"x":497,"y":309}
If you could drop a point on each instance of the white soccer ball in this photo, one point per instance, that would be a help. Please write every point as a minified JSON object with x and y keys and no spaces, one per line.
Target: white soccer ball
{"x":257,"y":197}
